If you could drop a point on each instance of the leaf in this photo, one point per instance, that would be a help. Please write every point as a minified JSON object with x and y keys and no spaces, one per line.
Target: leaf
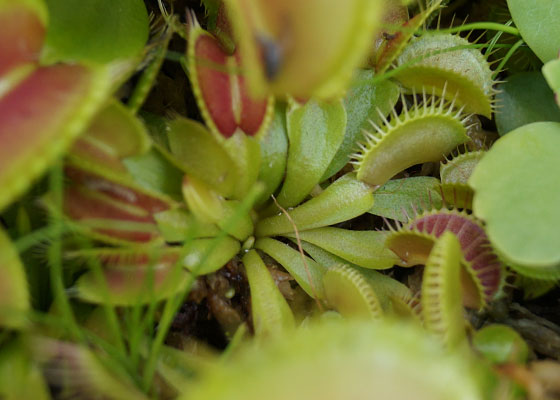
{"x":245,"y":151}
{"x":21,"y":35}
{"x":501,"y":344}
{"x":20,"y":377}
{"x":442,"y":306}
{"x":386,"y":55}
{"x":156,"y":172}
{"x":211,"y":208}
{"x":400,"y":198}
{"x":315,"y":132}
{"x":178,"y":225}
{"x":363,"y":248}
{"x":98,"y":31}
{"x":202,"y":156}
{"x":111,"y":210}
{"x":270,"y":311}
{"x":79,"y":371}
{"x":424,"y":133}
{"x":447,"y":65}
{"x":41,"y":116}
{"x":221,"y":91}
{"x":363,"y":103}
{"x":517,"y":192}
{"x":138,"y":279}
{"x":551,"y":72}
{"x":114,"y":131}
{"x":345,"y":199}
{"x":341,"y":359}
{"x":204,"y":256}
{"x":389,"y":291}
{"x":307,"y":273}
{"x":274,"y":153}
{"x":14,"y":295}
{"x":302,"y":48}
{"x":348,"y":292}
{"x":523,"y":99}
{"x":537,"y":20}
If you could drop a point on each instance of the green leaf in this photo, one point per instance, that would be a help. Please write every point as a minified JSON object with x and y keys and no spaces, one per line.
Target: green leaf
{"x":202,"y":156}
{"x":155,"y":172}
{"x":20,"y":377}
{"x":517,"y":192}
{"x":501,"y":344}
{"x":274,"y":153}
{"x":551,"y":72}
{"x":14,"y":296}
{"x":245,"y":151}
{"x":363,"y":248}
{"x":442,"y":305}
{"x":349,"y":293}
{"x":401,"y":197}
{"x":343,"y":200}
{"x":118,"y":131}
{"x":307,"y":273}
{"x":341,"y":359}
{"x":214,"y":253}
{"x":523,"y":99}
{"x":177,"y":225}
{"x":388,"y":290}
{"x":537,"y":20}
{"x":363,"y":102}
{"x":211,"y":208}
{"x":96,"y":31}
{"x":315,"y":132}
{"x":271,"y":313}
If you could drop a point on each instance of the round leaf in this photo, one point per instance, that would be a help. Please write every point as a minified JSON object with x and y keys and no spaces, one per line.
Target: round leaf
{"x":537,"y":21}
{"x":523,"y":99}
{"x":517,"y":192}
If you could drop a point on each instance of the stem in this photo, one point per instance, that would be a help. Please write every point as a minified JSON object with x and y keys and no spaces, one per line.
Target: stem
{"x":491,"y":26}
{"x":513,"y":49}
{"x":55,"y":254}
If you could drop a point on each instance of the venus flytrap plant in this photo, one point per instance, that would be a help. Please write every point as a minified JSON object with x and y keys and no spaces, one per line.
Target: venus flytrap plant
{"x":156,"y":207}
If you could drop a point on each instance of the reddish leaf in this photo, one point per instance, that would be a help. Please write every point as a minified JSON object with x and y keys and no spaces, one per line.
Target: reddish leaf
{"x":111,"y":209}
{"x":40,"y":117}
{"x":475,"y":245}
{"x":21,"y":37}
{"x":221,"y":92}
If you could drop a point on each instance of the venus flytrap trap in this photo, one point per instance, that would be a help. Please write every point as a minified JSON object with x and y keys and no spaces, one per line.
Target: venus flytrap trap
{"x":420,"y":134}
{"x":292,"y":38}
{"x":454,"y":175}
